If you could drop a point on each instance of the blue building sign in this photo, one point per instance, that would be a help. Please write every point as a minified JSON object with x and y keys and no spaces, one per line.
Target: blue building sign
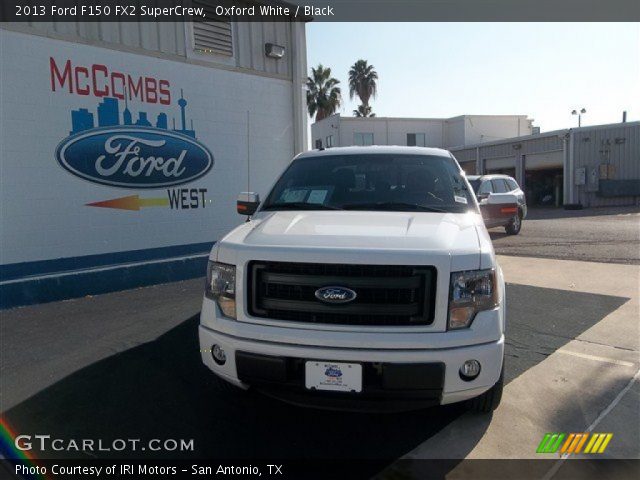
{"x":124,"y":152}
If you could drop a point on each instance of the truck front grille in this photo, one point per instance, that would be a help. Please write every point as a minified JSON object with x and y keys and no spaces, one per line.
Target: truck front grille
{"x":389,"y":295}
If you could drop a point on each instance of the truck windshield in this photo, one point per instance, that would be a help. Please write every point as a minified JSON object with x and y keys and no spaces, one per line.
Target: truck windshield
{"x":372,"y":182}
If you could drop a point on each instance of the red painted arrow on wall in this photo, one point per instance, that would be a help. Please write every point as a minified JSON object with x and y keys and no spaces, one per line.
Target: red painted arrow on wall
{"x":132,"y":202}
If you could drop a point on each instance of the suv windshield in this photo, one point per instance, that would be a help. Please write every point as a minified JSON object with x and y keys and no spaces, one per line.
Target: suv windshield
{"x":372,"y":182}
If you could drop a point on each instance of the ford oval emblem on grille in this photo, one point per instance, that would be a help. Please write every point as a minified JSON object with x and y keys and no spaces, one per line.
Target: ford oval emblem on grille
{"x":336,"y":295}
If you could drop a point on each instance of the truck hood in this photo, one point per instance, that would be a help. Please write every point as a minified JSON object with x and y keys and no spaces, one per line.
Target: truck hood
{"x":439,"y":234}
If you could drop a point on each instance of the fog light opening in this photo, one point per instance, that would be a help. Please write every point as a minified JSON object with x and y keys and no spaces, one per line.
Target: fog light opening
{"x":218,"y":355}
{"x":469,"y":370}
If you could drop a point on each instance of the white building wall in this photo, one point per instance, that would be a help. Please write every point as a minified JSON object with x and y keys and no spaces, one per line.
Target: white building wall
{"x":176,"y":38}
{"x":349,"y":126}
{"x":432,"y":128}
{"x":455,"y":132}
{"x":439,"y":132}
{"x":322,"y":129}
{"x":45,"y":213}
{"x":489,"y":128}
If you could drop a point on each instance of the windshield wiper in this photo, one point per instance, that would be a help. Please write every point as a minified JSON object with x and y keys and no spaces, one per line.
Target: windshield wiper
{"x":299,"y":206}
{"x":397,"y":206}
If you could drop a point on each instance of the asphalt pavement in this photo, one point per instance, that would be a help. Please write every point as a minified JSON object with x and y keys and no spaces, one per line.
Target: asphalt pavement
{"x":127,"y":365}
{"x":610,"y":235}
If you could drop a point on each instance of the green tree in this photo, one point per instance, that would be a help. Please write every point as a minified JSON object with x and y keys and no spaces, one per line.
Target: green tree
{"x":363,"y":111}
{"x":363,"y":82}
{"x":323,"y":94}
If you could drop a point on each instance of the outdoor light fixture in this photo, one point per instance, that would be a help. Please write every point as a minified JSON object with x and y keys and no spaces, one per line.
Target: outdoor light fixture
{"x":580,"y":113}
{"x":517,"y":146}
{"x":274,"y":51}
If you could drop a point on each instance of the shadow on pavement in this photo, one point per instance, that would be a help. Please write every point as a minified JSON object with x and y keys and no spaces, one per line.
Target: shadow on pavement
{"x":498,"y":233}
{"x":161,"y":390}
{"x":542,"y":320}
{"x":553,"y":213}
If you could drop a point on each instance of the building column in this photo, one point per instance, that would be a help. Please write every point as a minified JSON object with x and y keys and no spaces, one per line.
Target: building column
{"x":520,"y":170}
{"x":298,"y":87}
{"x":570,"y":172}
{"x":566,"y":196}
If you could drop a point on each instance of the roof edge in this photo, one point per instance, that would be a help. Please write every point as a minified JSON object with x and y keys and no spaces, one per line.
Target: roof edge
{"x":551,"y":133}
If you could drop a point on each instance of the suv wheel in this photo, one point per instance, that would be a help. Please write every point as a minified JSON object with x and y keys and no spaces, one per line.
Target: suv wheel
{"x":514,"y":226}
{"x":489,"y":400}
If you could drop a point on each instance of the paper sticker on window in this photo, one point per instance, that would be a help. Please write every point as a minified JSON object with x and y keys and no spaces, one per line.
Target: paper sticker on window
{"x":460,"y":199}
{"x":317,"y":196}
{"x":293,"y":195}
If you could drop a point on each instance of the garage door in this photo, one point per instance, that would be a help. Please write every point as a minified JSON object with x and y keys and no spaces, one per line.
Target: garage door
{"x":499,"y":163}
{"x":539,"y":161}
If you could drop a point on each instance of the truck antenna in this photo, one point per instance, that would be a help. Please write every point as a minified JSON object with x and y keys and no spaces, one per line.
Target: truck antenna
{"x":248,"y":155}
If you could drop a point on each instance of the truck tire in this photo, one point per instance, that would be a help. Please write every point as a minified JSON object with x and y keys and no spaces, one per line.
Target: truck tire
{"x":489,"y":400}
{"x":514,"y":226}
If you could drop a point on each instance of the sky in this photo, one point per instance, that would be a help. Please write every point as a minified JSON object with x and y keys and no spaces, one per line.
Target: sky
{"x":543,"y":70}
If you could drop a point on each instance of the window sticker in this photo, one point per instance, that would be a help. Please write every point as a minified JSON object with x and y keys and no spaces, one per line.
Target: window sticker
{"x":293,"y":195}
{"x":317,"y":196}
{"x":459,"y":199}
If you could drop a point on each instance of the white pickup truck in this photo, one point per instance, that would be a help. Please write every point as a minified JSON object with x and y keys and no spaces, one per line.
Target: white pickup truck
{"x":366,"y":278}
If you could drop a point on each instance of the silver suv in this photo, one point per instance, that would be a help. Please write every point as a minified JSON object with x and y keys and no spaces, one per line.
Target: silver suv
{"x":486,"y":185}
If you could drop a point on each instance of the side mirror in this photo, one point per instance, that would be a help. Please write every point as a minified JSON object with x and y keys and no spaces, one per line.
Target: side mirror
{"x":248,"y":203}
{"x":483,"y":196}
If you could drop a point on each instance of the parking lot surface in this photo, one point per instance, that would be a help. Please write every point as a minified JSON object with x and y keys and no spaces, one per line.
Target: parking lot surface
{"x":127,"y":365}
{"x":610,"y":235}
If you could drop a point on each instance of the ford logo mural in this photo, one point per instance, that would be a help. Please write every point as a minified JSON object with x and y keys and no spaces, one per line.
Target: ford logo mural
{"x":336,"y":295}
{"x":134,"y":157}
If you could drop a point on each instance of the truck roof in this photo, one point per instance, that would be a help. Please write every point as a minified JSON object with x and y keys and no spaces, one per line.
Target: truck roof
{"x":377,"y":149}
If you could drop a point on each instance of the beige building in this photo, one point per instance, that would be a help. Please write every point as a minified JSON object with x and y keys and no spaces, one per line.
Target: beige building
{"x":339,"y":131}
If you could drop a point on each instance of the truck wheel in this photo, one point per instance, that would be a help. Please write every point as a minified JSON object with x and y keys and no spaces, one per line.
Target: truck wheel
{"x":489,"y":400}
{"x":514,"y":226}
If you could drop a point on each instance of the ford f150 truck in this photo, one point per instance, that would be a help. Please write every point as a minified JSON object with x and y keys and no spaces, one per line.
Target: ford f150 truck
{"x":365,"y":277}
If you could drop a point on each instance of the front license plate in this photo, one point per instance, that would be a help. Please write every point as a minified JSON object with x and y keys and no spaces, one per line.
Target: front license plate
{"x":338,"y":377}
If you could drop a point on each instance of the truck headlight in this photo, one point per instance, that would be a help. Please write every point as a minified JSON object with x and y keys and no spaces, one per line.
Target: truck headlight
{"x":471,"y":292}
{"x":221,"y":287}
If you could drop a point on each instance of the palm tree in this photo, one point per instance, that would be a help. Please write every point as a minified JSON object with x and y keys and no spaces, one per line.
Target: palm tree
{"x":363,"y":111}
{"x":363,"y":81}
{"x":323,"y":94}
